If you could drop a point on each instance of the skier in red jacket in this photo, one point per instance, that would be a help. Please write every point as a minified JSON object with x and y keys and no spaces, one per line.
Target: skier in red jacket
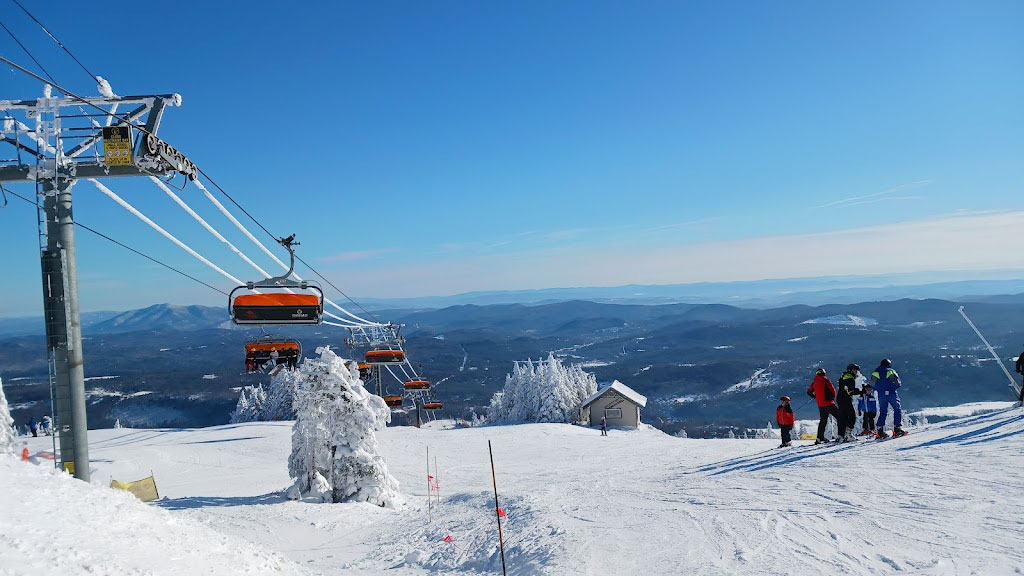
{"x":824,"y":393}
{"x":785,"y":418}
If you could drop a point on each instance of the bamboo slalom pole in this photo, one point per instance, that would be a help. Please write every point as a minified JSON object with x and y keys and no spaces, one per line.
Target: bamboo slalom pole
{"x":497,"y":509}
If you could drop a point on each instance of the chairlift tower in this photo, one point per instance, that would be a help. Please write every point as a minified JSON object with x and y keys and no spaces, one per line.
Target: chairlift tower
{"x":54,"y":142}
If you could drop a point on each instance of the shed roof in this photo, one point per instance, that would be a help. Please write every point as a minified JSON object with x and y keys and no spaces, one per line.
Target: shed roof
{"x":626,"y":392}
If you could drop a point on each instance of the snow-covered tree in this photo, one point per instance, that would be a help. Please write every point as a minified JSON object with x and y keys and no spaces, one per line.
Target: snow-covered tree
{"x":279,"y":400}
{"x":335,"y":457}
{"x":257,"y":404}
{"x":681,"y":433}
{"x":730,"y":434}
{"x":7,"y":432}
{"x":542,"y":391}
{"x":250,"y":406}
{"x":117,"y":424}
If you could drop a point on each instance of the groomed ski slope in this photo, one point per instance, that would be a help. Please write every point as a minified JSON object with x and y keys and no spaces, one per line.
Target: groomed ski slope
{"x":946,"y":499}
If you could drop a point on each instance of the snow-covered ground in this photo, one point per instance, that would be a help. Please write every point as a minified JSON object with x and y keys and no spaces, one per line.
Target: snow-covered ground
{"x":943,"y":500}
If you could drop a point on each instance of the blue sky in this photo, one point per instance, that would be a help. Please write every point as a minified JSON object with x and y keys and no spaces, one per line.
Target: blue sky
{"x":435,"y":148}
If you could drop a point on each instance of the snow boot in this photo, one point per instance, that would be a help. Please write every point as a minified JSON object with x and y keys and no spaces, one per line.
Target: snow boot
{"x":897,"y":432}
{"x":881,"y":434}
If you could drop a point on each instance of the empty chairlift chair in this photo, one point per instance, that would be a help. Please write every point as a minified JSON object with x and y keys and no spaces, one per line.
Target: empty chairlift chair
{"x":417,"y":385}
{"x":432,"y":405}
{"x":274,"y":300}
{"x":385,"y":357}
{"x":393,"y":400}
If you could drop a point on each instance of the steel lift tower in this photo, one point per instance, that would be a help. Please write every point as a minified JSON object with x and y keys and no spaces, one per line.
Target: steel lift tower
{"x":54,"y":142}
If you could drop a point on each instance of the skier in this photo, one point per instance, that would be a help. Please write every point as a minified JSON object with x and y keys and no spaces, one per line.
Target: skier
{"x":824,"y":393}
{"x":1020,"y":370}
{"x":868,"y":407}
{"x":47,"y":425}
{"x":785,"y":418}
{"x":604,"y":426}
{"x":274,"y":355}
{"x":844,"y":398}
{"x":886,"y":382}
{"x":34,"y":427}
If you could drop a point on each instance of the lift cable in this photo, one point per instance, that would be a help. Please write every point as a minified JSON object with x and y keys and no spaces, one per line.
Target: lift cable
{"x":127,"y":121}
{"x":126,"y":247}
{"x":59,"y":43}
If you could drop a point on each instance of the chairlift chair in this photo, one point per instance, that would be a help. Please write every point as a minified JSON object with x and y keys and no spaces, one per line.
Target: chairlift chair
{"x":385,"y":357}
{"x":261,"y":307}
{"x":260,"y":349}
{"x":433,"y":405}
{"x":393,"y":400}
{"x":417,"y":385}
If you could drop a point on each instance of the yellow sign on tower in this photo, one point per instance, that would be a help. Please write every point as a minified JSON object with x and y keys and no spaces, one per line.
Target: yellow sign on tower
{"x":117,"y":145}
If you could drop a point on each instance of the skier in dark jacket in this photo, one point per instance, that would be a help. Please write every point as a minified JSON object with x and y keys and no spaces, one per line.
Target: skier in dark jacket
{"x":844,"y":399}
{"x":1020,"y":370}
{"x":34,"y":427}
{"x":886,"y":382}
{"x":786,"y":419}
{"x":824,"y":393}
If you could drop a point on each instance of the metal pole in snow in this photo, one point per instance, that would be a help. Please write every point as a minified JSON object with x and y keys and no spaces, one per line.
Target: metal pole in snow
{"x":497,"y":509}
{"x":1013,"y":383}
{"x":428,"y":484}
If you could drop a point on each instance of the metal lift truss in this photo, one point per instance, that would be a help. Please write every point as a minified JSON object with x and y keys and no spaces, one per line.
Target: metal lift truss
{"x":53,"y":142}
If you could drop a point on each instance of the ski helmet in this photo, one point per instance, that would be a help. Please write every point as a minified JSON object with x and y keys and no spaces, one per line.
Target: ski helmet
{"x":852,"y":368}
{"x":819,"y":371}
{"x":784,"y":398}
{"x":885,"y":363}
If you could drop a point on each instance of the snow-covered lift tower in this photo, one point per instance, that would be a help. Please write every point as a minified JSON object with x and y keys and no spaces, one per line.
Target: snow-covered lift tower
{"x":54,"y":142}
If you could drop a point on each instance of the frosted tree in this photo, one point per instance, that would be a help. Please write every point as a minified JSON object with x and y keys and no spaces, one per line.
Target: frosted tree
{"x":7,"y":432}
{"x":542,"y":391}
{"x":250,"y":406}
{"x":117,"y":424}
{"x":681,"y":433}
{"x":730,"y":434}
{"x":281,"y":397}
{"x":335,"y":457}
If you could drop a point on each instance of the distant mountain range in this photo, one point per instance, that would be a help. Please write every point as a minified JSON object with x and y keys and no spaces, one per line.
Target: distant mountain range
{"x":754,"y":294}
{"x":703,"y":367}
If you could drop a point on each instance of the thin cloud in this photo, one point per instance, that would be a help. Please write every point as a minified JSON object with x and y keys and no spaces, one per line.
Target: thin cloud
{"x":877,"y":196}
{"x":885,"y":199}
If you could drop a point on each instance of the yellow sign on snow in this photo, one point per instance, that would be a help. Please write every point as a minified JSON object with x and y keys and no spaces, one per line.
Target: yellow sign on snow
{"x":117,"y":145}
{"x":144,"y":489}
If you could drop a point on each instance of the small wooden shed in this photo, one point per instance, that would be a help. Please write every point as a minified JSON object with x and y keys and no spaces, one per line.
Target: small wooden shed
{"x":618,"y":403}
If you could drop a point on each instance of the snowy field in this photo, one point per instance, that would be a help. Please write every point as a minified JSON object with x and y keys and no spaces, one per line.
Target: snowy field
{"x":944,"y":500}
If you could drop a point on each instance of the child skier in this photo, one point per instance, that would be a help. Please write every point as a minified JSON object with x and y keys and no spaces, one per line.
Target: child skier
{"x":785,"y":418}
{"x":868,"y":407}
{"x":604,"y":426}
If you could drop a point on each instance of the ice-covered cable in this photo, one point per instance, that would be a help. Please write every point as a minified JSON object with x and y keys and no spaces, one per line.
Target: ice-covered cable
{"x":274,"y":257}
{"x":206,"y":225}
{"x":165,"y":233}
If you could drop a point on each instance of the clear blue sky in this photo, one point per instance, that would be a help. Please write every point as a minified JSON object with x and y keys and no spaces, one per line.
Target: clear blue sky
{"x":433,"y":148}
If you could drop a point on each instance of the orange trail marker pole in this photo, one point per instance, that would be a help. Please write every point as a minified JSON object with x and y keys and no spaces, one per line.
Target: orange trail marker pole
{"x":497,"y":509}
{"x":24,"y":454}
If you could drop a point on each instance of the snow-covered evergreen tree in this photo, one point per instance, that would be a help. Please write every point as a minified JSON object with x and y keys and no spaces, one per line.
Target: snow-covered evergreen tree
{"x":335,"y":457}
{"x":278,"y":404}
{"x":257,"y":404}
{"x":250,"y":406}
{"x":542,"y":391}
{"x":117,"y":424}
{"x":681,"y":433}
{"x":730,"y":434}
{"x":7,"y":432}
